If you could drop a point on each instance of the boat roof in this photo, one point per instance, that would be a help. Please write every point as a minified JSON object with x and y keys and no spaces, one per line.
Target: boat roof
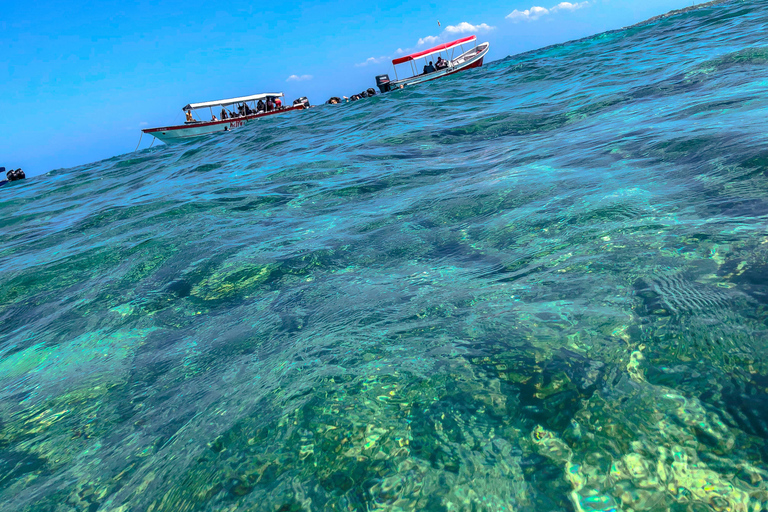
{"x":231,"y":101}
{"x":437,"y":49}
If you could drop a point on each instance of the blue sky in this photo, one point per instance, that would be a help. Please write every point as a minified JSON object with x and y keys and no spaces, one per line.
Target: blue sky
{"x":78,"y":80}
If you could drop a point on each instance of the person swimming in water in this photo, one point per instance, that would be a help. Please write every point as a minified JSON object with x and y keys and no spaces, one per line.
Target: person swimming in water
{"x":12,"y":175}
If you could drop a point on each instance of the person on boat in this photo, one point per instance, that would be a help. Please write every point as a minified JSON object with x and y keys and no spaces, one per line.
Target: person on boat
{"x":440,"y":64}
{"x":240,"y":110}
{"x":223,"y":113}
{"x":190,"y":119}
{"x":261,"y":107}
{"x":429,"y":68}
{"x":270,"y":104}
{"x":278,"y":103}
{"x":213,"y":117}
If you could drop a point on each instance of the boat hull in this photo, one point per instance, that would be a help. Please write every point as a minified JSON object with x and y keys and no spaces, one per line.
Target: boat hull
{"x":465,"y":61}
{"x":179,"y":133}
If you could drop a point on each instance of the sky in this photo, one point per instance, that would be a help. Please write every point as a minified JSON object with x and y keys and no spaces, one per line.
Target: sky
{"x":79,"y":80}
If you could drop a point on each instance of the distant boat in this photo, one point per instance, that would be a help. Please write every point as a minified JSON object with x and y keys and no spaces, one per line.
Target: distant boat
{"x":472,"y":58}
{"x":195,"y":128}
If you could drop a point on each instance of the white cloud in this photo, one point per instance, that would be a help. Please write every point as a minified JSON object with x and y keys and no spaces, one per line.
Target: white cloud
{"x":399,"y":51}
{"x":537,"y":12}
{"x":531,"y":14}
{"x":451,"y":31}
{"x":568,"y":6}
{"x":297,"y":78}
{"x":428,"y":40}
{"x":464,"y":27}
{"x":371,"y":60}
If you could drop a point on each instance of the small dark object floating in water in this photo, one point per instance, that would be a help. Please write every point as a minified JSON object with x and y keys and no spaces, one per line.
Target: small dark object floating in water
{"x":12,"y":175}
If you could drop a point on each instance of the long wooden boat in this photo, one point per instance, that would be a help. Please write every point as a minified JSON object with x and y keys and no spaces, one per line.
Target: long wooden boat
{"x":235,"y":118}
{"x":468,"y":59}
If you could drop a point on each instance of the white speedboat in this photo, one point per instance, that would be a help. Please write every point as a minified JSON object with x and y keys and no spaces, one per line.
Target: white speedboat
{"x":468,"y":59}
{"x":246,"y":110}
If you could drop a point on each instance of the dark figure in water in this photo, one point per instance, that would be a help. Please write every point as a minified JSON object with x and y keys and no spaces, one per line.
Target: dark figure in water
{"x":371,"y":91}
{"x":12,"y":175}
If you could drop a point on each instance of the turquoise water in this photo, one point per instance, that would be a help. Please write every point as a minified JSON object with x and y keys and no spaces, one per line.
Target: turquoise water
{"x":541,"y":285}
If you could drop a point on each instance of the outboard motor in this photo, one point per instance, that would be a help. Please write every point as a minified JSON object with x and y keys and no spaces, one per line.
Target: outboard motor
{"x":302,"y":101}
{"x":382,"y":82}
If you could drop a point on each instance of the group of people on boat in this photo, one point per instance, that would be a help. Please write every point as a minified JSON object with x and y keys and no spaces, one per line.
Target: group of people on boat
{"x":440,"y":64}
{"x":243,"y":109}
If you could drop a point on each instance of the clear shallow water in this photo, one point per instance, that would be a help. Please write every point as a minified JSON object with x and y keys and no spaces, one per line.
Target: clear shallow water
{"x":537,"y":286}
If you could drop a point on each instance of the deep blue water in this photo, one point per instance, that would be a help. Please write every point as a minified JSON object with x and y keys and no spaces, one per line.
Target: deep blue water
{"x":541,"y":285}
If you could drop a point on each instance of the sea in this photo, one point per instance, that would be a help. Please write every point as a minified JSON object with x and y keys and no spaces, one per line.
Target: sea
{"x":541,"y":285}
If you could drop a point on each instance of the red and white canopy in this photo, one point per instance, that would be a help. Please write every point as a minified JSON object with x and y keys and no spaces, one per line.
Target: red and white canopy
{"x":437,"y":49}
